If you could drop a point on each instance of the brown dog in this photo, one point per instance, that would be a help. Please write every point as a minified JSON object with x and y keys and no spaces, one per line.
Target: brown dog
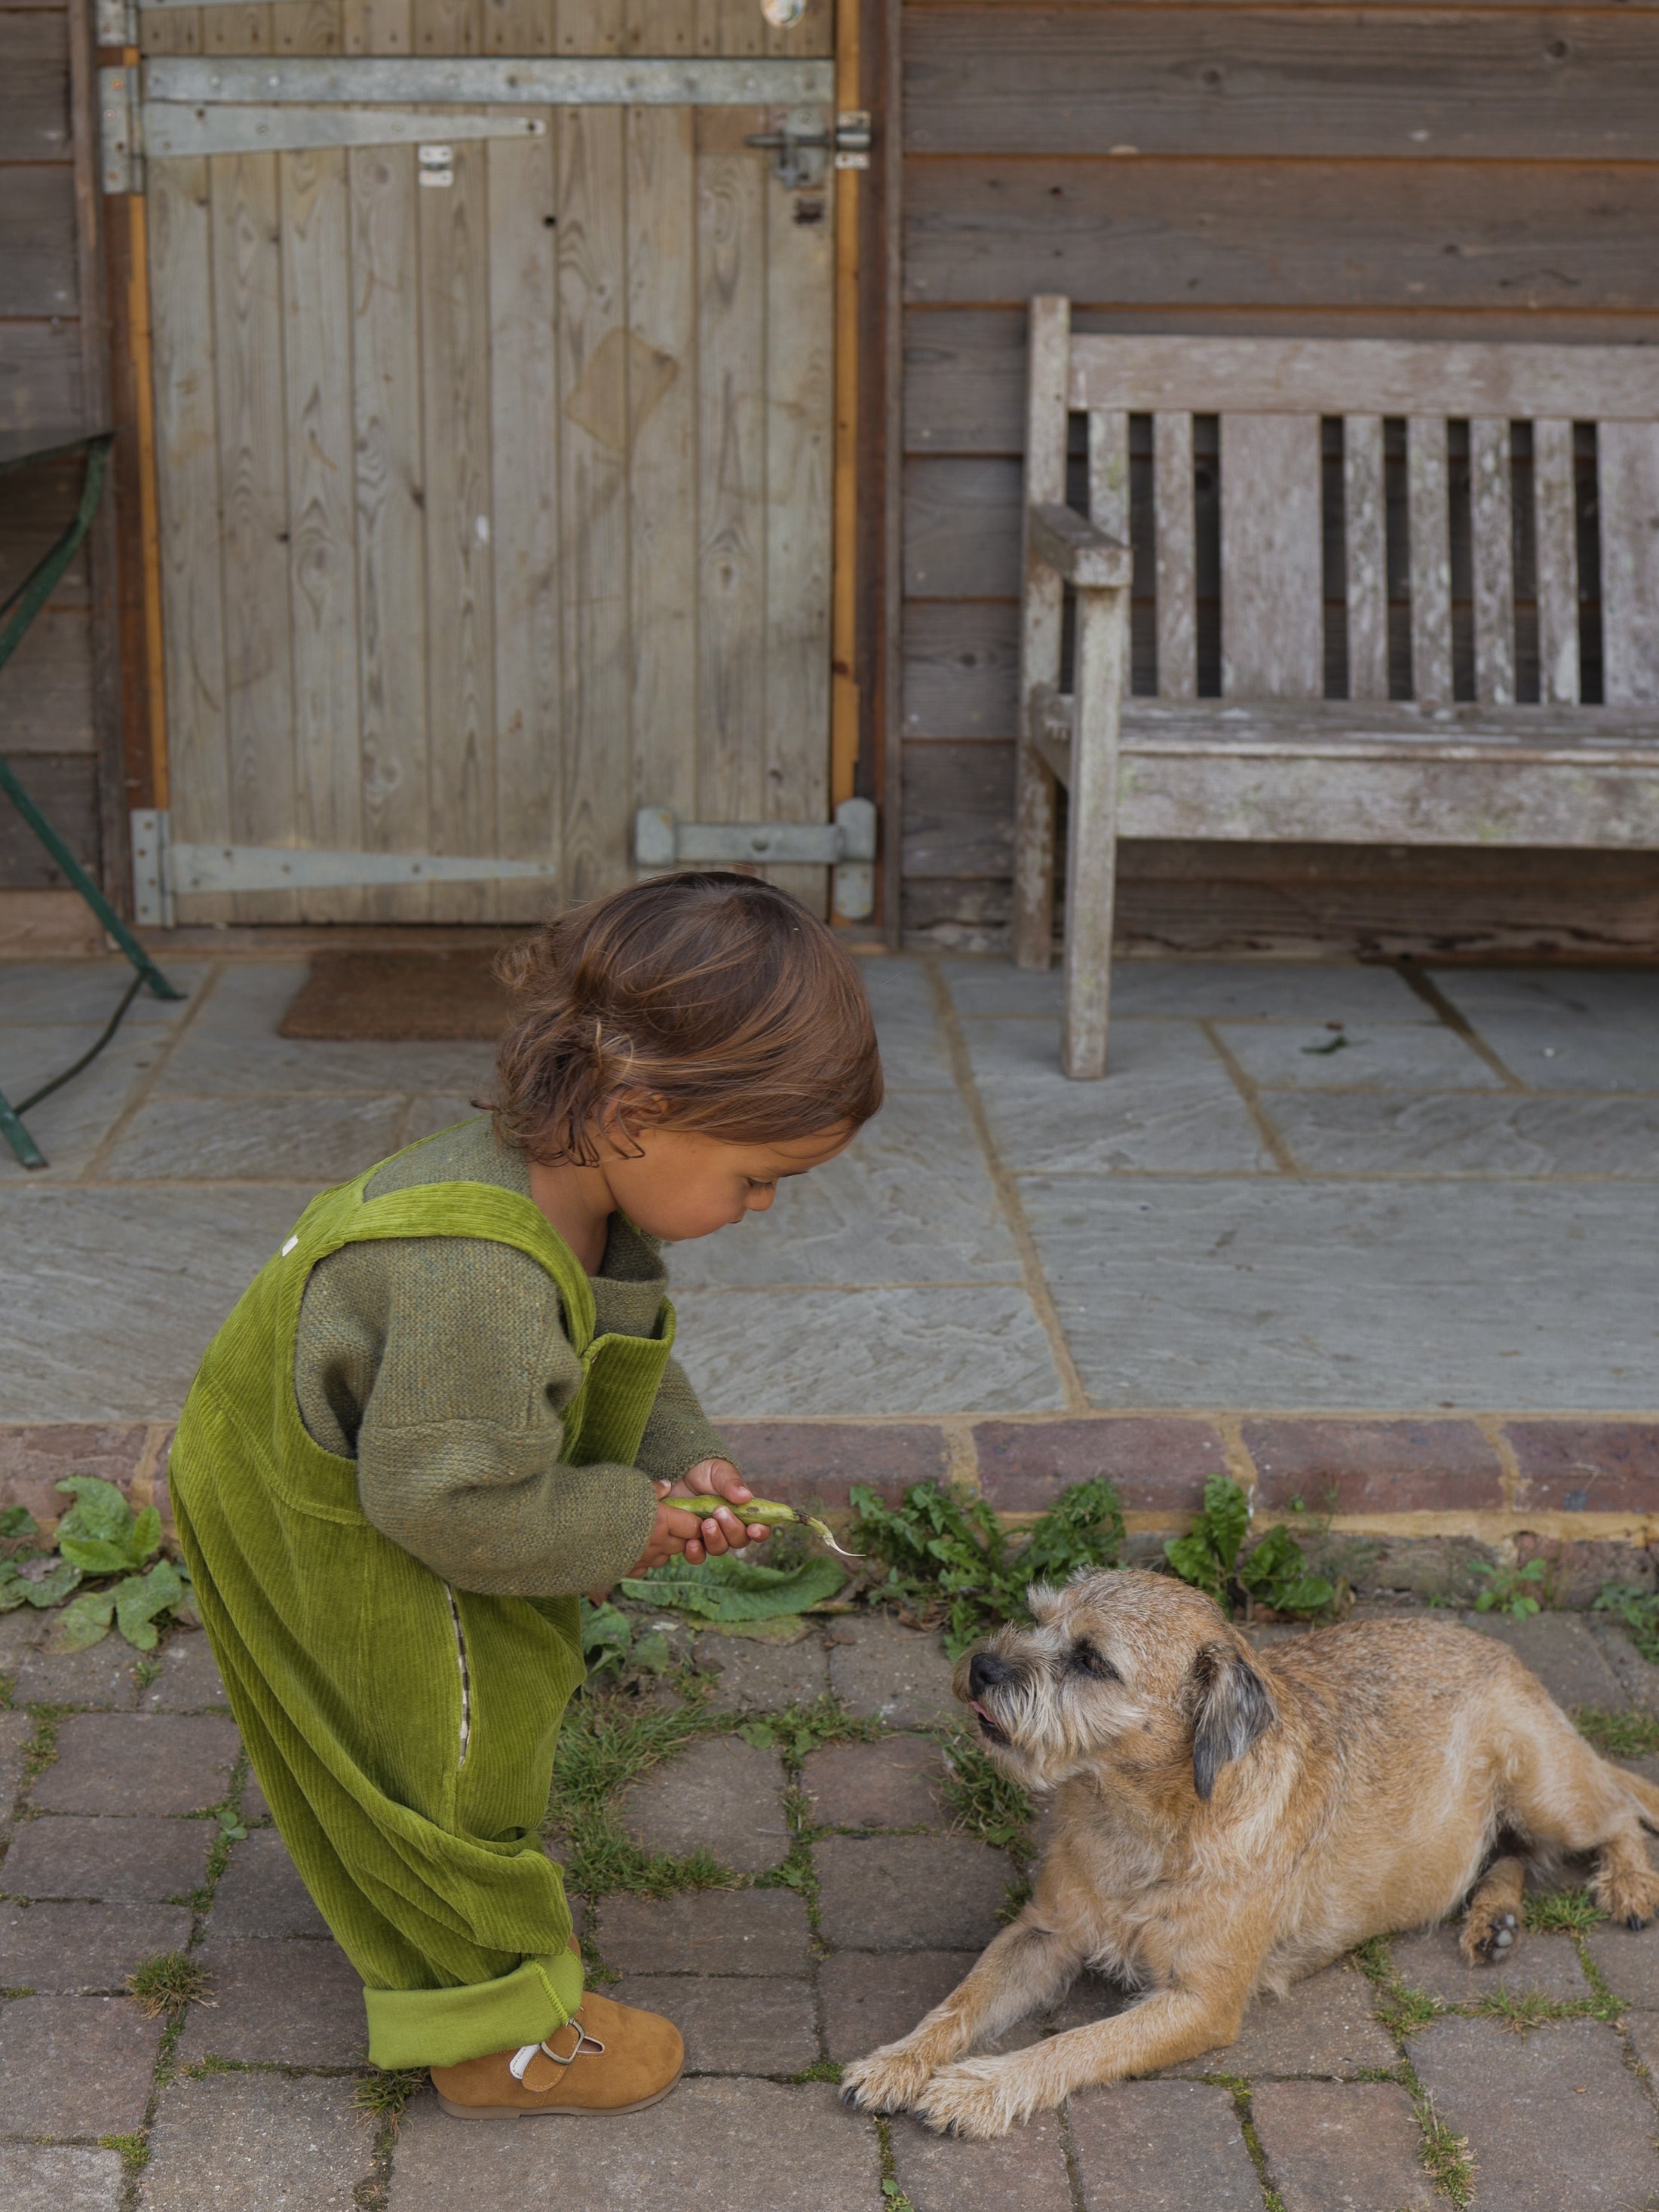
{"x":1226,"y":1823}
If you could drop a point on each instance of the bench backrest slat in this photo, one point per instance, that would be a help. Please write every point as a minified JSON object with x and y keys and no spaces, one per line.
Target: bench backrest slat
{"x":1272,"y":398}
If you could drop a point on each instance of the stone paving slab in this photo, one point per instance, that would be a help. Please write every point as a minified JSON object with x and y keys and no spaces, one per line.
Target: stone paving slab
{"x":1324,"y":2025}
{"x":910,"y":1893}
{"x":1555,"y":2120}
{"x":1478,"y":1136}
{"x":101,"y":1677}
{"x":1560,"y":1650}
{"x":1538,"y":1965}
{"x":111,"y":1860}
{"x":889,"y":1673}
{"x":188,"y":1680}
{"x":260,"y":1892}
{"x":722,"y":1796}
{"x":1419,"y":1054}
{"x":742,"y":2024}
{"x":165,"y":1764}
{"x":1025,"y":2171}
{"x":250,"y":2142}
{"x":74,"y":2066}
{"x":1162,"y":2146}
{"x":757,"y":1678}
{"x":72,"y":1948}
{"x":298,"y":2003}
{"x":16,"y":1729}
{"x":714,"y":2146}
{"x":281,"y":1141}
{"x":870,"y":1998}
{"x":1567,"y":1029}
{"x":1628,"y":1961}
{"x":895,"y":1783}
{"x":750,"y":1931}
{"x":55,"y":2178}
{"x":1348,"y":2146}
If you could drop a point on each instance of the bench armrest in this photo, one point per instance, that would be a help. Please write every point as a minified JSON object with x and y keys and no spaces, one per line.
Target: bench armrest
{"x":1075,"y":549}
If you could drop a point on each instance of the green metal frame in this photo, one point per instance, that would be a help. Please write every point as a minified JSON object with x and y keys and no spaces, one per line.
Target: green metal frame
{"x":15,"y":616}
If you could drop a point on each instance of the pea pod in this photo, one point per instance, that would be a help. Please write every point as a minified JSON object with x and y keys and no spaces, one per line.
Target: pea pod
{"x":768,"y":1511}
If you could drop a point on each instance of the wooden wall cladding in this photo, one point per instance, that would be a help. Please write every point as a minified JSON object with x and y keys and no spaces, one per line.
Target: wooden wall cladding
{"x":1486,"y":171}
{"x":662,"y":27}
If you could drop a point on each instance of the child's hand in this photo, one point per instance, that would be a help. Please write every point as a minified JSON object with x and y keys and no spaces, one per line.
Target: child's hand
{"x":676,"y":1532}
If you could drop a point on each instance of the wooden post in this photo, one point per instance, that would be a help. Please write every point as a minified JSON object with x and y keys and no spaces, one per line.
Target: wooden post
{"x":1091,"y":840}
{"x":1046,"y":392}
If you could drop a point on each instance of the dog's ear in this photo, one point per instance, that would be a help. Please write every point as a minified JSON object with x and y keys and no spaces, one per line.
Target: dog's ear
{"x":1230,"y":1708}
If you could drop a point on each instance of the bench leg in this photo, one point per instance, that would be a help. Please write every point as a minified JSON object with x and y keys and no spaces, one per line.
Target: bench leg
{"x":1034,"y":859}
{"x":1091,"y":843}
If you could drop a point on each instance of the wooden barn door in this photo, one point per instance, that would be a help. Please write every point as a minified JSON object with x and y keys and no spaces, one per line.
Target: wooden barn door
{"x":495,"y":488}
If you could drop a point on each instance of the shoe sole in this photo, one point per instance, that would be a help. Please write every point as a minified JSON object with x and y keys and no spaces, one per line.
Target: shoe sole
{"x":554,"y":2112}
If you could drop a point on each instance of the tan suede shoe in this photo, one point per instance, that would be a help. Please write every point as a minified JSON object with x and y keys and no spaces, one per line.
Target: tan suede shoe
{"x":610,"y":2058}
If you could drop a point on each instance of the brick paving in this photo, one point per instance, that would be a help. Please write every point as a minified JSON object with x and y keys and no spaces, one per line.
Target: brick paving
{"x":250,"y":2101}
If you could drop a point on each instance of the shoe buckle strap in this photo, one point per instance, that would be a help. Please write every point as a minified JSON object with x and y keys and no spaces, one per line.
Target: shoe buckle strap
{"x":519,"y":2065}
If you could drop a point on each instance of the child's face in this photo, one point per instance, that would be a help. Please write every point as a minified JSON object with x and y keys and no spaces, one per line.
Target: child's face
{"x":685,"y":1184}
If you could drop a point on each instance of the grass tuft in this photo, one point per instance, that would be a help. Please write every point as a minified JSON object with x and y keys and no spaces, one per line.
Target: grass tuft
{"x":1617,"y":1735}
{"x":40,"y":1752}
{"x":166,"y":1983}
{"x":985,"y":1801}
{"x":387,"y":2095}
{"x":1400,"y":2009}
{"x":1446,"y":2156}
{"x":1555,"y":1910}
{"x":821,"y":2070}
{"x":893,"y":2198}
{"x":134,"y":2149}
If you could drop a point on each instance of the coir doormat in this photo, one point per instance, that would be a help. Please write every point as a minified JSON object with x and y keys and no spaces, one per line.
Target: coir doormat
{"x":400,"y":998}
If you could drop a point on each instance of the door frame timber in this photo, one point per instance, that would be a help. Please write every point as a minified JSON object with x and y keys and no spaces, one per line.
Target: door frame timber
{"x":862,"y":723}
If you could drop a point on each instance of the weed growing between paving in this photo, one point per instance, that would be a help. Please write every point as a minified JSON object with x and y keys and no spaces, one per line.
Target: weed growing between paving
{"x":1513,"y":1590}
{"x":893,"y":2198}
{"x":949,"y":1559}
{"x":1638,"y":1609}
{"x":1562,"y":1911}
{"x":1617,"y":1735}
{"x":40,"y":1752}
{"x":794,"y":1733}
{"x":1271,"y":2199}
{"x":100,"y":1537}
{"x":1447,"y":2156}
{"x":1273,"y":1574}
{"x":134,"y":2149}
{"x":985,"y":1801}
{"x":602,"y":1748}
{"x":166,"y":1983}
{"x":387,"y":2095}
{"x":821,"y":2070}
{"x":1401,"y":2009}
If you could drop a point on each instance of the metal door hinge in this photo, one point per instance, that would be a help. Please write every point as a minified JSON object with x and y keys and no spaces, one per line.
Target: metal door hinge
{"x":803,"y":141}
{"x":120,"y":150}
{"x":847,"y":846}
{"x":163,"y":871}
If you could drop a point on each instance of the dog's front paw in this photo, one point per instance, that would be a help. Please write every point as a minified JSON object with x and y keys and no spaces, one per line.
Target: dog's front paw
{"x":889,"y":2079}
{"x":1487,"y":1936}
{"x":980,"y":2098}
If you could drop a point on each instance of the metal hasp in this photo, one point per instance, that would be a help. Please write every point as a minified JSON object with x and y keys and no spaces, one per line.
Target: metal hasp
{"x":846,"y":846}
{"x":163,"y":869}
{"x":804,"y":143}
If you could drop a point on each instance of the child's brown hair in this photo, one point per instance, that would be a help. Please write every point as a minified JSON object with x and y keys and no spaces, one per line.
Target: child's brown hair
{"x":719,"y":995}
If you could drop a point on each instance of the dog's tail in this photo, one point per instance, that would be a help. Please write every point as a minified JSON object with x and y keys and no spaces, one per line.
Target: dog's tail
{"x":1646,"y":1795}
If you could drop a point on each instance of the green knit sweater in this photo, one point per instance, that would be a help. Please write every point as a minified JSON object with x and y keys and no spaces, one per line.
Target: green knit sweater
{"x":441,"y":1365}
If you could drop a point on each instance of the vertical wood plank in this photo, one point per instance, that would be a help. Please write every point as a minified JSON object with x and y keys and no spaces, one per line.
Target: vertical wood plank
{"x":390,"y":494}
{"x":1047,"y":388}
{"x":187,"y":473}
{"x":1174,"y":533}
{"x":1108,"y":476}
{"x":660,"y":27}
{"x":731,"y":26}
{"x":814,"y":34}
{"x":1627,"y":474}
{"x":662,"y":472}
{"x":598,"y":802}
{"x":1428,"y":509}
{"x":1091,"y":838}
{"x":800,"y":338}
{"x":454,"y":244}
{"x":518,"y":26}
{"x":237,"y":30}
{"x":732,"y":505}
{"x":316,"y":229}
{"x":376,"y":27}
{"x":171,"y":31}
{"x":524,"y":505}
{"x":590,"y":27}
{"x":1492,"y":532}
{"x":1367,"y":570}
{"x":307,"y":27}
{"x":1556,"y":527}
{"x":247,"y":340}
{"x":1272,"y":639}
{"x":448,"y":26}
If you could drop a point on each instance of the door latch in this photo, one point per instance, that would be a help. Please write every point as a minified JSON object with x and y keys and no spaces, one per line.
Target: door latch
{"x":803,"y":142}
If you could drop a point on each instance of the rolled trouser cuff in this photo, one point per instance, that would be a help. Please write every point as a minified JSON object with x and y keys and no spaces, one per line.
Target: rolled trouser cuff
{"x":445,"y":2028}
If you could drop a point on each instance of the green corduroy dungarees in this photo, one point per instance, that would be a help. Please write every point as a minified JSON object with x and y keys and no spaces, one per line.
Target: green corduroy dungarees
{"x":402,"y":1730}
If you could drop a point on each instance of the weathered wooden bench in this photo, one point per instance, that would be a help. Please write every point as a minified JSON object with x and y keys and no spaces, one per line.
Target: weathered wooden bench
{"x":1272,"y":756}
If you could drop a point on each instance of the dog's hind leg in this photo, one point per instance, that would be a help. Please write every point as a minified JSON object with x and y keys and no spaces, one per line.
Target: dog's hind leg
{"x":1492,"y":1919}
{"x":1560,"y":1794}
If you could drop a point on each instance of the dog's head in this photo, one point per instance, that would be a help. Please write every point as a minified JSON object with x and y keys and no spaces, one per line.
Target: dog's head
{"x":1132,"y":1678}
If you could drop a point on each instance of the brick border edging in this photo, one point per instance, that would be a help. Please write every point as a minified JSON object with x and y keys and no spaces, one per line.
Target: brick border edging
{"x":1531,"y":1481}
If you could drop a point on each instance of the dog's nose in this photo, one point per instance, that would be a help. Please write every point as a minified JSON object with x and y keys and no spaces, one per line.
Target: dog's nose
{"x":986,"y":1671}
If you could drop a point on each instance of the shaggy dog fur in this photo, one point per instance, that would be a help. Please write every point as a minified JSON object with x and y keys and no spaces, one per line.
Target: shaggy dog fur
{"x":1225,"y":1822}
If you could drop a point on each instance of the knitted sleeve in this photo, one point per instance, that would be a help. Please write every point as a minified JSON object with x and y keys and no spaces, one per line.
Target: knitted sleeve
{"x":678,"y":1435}
{"x":441,"y":1364}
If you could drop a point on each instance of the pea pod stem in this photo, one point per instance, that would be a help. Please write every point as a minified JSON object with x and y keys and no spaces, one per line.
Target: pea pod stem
{"x":769,"y":1512}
